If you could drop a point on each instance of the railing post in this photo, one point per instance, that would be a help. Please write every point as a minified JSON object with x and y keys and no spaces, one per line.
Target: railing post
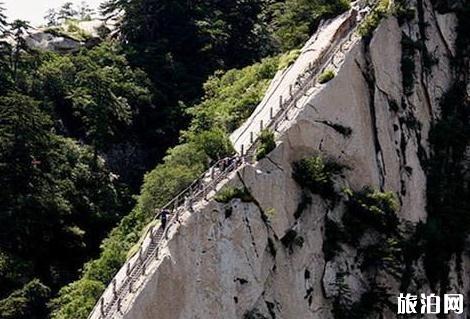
{"x":261,"y":125}
{"x":140,"y":254}
{"x":251,"y":137}
{"x":242,"y":149}
{"x":290,"y":89}
{"x":114,"y":287}
{"x":102,"y":306}
{"x":280,"y":102}
{"x":143,"y":269}
{"x":128,"y":269}
{"x":271,"y":113}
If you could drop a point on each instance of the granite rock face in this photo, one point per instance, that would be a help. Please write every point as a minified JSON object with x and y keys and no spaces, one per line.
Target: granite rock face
{"x":57,"y":40}
{"x":45,"y":40}
{"x":265,"y":258}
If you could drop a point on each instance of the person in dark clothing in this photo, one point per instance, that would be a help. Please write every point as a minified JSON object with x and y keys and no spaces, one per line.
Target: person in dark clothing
{"x":163,"y":217}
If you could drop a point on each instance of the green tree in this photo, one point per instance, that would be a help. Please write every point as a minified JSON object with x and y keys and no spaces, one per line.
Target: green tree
{"x":58,"y":200}
{"x":97,"y":92}
{"x":19,"y":30}
{"x":28,"y":302}
{"x":85,"y":13}
{"x":51,"y":18}
{"x":66,"y":12}
{"x":294,"y":21}
{"x":101,"y":110}
{"x":5,"y":50}
{"x":159,"y":35}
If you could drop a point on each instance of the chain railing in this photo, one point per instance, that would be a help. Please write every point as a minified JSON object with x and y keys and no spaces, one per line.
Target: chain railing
{"x":303,"y":83}
{"x":125,"y":281}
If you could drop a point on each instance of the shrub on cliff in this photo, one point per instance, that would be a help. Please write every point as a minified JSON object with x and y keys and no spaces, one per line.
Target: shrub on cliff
{"x":288,"y":59}
{"x":370,"y":208}
{"x":266,"y":144}
{"x":326,"y":76}
{"x":371,"y":22}
{"x":316,"y":175}
{"x":227,"y":193}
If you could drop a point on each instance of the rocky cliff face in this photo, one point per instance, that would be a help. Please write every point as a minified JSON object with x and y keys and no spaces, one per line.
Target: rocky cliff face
{"x":288,"y":252}
{"x":69,"y":38}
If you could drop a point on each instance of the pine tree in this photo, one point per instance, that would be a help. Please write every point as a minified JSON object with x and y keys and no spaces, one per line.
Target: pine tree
{"x":66,"y":12}
{"x":5,"y":51}
{"x":19,"y":30}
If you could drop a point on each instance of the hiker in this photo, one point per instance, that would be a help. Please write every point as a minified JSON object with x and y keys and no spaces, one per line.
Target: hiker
{"x":163,"y":217}
{"x":230,"y":161}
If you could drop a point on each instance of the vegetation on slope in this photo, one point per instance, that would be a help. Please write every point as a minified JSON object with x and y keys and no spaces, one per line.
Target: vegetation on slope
{"x":59,"y":198}
{"x":266,"y":142}
{"x":326,"y":76}
{"x":228,"y":193}
{"x":205,"y":141}
{"x":316,"y":174}
{"x":296,"y":20}
{"x":379,"y":12}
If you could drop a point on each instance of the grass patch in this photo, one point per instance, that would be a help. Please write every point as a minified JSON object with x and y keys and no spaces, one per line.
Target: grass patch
{"x":326,"y":76}
{"x":267,"y":144}
{"x":226,"y":194}
{"x":371,"y":22}
{"x":288,"y":59}
{"x":316,"y":175}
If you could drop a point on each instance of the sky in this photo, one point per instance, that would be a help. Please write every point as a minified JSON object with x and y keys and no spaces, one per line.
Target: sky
{"x":35,"y":10}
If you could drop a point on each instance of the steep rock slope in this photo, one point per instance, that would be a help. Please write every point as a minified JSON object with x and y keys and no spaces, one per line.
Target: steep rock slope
{"x":268,"y":256}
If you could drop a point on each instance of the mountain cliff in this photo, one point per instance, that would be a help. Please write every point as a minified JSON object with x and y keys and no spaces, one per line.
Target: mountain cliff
{"x":364,"y":196}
